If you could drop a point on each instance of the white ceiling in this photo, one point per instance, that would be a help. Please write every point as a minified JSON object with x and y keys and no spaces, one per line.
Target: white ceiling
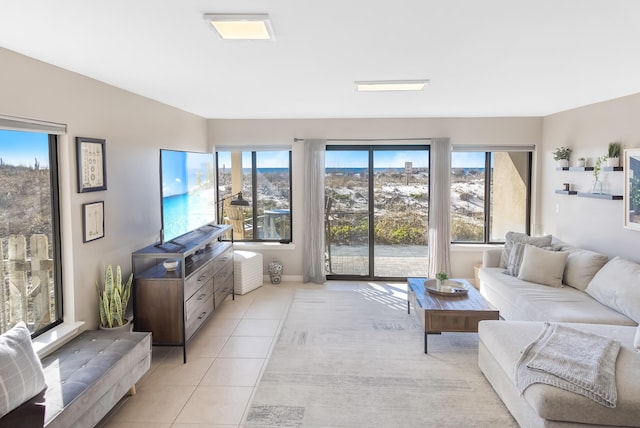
{"x":483,"y":57}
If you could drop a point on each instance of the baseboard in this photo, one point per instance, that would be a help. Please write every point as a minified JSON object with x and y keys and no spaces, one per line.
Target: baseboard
{"x":285,"y":278}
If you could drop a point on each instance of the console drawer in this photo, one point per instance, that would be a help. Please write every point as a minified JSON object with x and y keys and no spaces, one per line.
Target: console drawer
{"x":223,"y":289}
{"x":198,"y":308}
{"x":197,"y":280}
{"x":222,"y":260}
{"x":223,"y":275}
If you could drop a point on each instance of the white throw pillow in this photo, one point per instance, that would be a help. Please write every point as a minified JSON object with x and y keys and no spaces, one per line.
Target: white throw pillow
{"x":21,"y":374}
{"x":581,"y":267}
{"x":617,"y":285}
{"x":512,"y":237}
{"x":542,"y":266}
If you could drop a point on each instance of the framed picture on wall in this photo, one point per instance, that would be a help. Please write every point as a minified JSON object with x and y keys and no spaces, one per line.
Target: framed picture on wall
{"x":632,"y":189}
{"x":92,"y":164}
{"x":92,"y":221}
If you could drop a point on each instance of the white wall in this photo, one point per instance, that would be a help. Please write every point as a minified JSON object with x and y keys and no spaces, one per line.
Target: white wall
{"x":589,"y":223}
{"x":495,"y":131}
{"x":134,"y":128}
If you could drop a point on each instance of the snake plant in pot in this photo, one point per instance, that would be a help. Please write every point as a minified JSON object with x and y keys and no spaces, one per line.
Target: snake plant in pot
{"x":113,"y":298}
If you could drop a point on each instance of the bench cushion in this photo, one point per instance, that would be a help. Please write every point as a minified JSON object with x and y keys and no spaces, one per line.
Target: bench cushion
{"x":90,"y":374}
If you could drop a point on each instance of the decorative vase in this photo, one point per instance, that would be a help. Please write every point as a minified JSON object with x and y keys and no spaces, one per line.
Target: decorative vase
{"x":275,"y":271}
{"x":613,"y":162}
{"x":562,"y":163}
{"x":597,"y":187}
{"x":580,"y":162}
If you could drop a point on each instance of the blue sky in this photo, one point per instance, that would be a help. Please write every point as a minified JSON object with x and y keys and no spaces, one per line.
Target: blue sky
{"x":467,"y":160}
{"x":381,"y":158}
{"x":265,"y":159}
{"x":358,"y":159}
{"x":22,"y":148}
{"x":397,"y":159}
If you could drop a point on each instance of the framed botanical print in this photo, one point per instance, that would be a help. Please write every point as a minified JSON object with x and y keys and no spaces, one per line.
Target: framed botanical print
{"x":92,"y":221}
{"x":632,"y":189}
{"x":92,"y":164}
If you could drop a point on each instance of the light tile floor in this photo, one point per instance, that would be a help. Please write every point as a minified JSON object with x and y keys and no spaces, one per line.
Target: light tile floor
{"x":224,"y":363}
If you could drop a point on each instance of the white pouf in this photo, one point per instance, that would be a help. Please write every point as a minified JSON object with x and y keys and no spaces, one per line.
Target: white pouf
{"x":247,"y":271}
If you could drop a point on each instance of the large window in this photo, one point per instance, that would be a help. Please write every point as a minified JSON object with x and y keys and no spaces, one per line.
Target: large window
{"x":30,"y":277}
{"x":490,"y":194}
{"x":263,"y":178}
{"x":376,"y":211}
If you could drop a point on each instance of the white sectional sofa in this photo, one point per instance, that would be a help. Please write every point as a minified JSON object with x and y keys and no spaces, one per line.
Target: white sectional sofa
{"x":575,"y":287}
{"x":521,"y":300}
{"x":501,"y":344}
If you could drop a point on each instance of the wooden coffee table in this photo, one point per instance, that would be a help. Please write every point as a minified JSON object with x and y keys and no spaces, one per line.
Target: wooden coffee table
{"x":439,"y":314}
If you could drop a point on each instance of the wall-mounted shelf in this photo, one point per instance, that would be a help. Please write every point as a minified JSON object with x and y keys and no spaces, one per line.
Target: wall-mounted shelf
{"x":600,"y":196}
{"x":589,"y":168}
{"x":581,"y":168}
{"x":566,"y":192}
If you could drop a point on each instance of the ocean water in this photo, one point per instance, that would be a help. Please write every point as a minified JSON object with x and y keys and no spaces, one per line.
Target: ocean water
{"x":186,"y":212}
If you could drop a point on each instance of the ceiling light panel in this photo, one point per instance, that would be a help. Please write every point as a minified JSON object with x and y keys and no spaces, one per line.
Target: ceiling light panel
{"x":391,"y":85}
{"x":241,"y":26}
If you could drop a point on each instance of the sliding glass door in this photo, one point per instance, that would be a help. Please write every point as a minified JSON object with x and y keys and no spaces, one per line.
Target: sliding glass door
{"x":376,"y":211}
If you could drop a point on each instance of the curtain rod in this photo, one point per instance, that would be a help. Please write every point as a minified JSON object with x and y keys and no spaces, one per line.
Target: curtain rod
{"x":295,"y":140}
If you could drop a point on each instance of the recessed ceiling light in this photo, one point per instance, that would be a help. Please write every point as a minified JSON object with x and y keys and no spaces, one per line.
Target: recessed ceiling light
{"x":241,"y":26}
{"x":391,"y":85}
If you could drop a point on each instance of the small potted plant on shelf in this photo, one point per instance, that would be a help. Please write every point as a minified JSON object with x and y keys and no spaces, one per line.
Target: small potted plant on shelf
{"x":561,"y":155}
{"x":613,"y":153}
{"x":113,"y":298}
{"x":581,"y":162}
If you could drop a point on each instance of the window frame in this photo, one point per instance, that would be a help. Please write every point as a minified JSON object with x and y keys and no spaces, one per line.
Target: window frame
{"x":488,"y":177}
{"x":254,"y":188}
{"x":52,"y":131}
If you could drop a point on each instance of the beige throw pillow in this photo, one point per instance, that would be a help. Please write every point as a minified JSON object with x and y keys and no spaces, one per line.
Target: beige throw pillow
{"x":511,"y":238}
{"x":542,"y":266}
{"x":617,"y":285}
{"x":581,"y":267}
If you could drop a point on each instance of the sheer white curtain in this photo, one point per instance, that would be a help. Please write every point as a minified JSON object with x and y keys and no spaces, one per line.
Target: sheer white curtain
{"x":440,"y":207}
{"x":313,"y":263}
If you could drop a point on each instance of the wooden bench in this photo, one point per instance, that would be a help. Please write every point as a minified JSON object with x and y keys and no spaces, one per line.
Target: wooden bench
{"x":85,"y":379}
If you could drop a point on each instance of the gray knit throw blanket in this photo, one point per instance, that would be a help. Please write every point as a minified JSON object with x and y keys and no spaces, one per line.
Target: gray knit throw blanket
{"x":573,"y":360}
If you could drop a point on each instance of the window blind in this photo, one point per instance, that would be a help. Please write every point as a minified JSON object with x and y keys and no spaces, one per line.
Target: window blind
{"x":20,"y":124}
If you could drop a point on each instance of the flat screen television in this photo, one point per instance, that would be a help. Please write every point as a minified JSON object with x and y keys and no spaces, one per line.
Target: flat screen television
{"x":187,"y":192}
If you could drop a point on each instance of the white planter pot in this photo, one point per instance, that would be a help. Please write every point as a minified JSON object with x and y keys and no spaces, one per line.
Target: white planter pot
{"x":562,"y":163}
{"x":580,"y":163}
{"x":127,"y":326}
{"x":613,"y":161}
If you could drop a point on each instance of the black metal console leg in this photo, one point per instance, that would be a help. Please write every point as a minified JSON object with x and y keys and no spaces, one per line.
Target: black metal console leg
{"x":408,"y":307}
{"x":425,"y":342}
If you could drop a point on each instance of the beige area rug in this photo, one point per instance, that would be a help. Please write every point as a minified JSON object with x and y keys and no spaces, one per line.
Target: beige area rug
{"x":355,"y":358}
